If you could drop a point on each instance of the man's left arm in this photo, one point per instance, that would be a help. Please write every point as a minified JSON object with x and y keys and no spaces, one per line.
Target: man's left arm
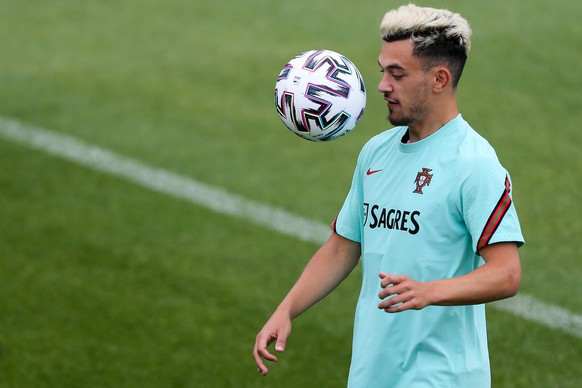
{"x":498,"y":278}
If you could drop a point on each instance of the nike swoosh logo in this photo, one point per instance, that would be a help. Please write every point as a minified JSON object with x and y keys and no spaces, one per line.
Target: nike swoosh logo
{"x":370,"y":172}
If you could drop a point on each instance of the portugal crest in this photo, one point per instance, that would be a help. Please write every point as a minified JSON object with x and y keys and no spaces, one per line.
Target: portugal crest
{"x":422,"y":179}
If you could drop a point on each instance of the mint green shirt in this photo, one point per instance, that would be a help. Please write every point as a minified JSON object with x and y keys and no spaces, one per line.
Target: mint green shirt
{"x":424,"y":210}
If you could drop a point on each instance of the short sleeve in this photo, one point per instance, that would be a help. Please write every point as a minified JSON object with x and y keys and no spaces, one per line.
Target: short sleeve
{"x":487,"y":205}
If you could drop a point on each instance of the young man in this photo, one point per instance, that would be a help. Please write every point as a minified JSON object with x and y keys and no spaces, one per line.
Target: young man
{"x":431,"y":215}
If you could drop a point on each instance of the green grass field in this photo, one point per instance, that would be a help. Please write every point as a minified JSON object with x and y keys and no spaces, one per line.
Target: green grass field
{"x":107,"y":284}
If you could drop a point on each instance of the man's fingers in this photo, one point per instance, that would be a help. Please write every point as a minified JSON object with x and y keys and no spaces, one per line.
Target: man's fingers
{"x":388,"y":279}
{"x":397,"y":308}
{"x":393,"y":292}
{"x":390,"y":302}
{"x":261,"y":353}
{"x":264,"y":353}
{"x":385,"y":292}
{"x":400,"y":293}
{"x":261,"y":367}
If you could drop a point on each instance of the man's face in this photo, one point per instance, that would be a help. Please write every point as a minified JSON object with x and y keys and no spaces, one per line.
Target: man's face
{"x":404,"y":84}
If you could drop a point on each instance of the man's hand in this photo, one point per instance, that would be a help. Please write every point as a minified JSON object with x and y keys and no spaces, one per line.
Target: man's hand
{"x":497,"y":279}
{"x":277,"y":329}
{"x":403,"y":293}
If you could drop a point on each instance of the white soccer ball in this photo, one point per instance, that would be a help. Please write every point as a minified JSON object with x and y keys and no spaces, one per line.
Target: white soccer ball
{"x":320,"y":95}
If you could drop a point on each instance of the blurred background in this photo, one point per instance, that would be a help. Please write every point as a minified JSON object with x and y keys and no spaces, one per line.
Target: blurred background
{"x":107,"y":283}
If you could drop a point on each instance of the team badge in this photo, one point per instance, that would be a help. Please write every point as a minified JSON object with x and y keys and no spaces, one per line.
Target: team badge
{"x":423,"y":178}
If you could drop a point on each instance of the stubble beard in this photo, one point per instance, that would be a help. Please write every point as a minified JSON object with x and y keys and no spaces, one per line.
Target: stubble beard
{"x":416,"y":112}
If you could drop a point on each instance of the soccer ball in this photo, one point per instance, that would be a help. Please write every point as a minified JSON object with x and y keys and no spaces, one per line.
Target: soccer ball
{"x":320,"y":95}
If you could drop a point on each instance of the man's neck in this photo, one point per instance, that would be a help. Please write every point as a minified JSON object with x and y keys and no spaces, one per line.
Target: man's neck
{"x":431,"y":123}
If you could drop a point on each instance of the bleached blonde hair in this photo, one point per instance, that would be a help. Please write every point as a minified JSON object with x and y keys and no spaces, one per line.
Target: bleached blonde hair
{"x":439,"y":35}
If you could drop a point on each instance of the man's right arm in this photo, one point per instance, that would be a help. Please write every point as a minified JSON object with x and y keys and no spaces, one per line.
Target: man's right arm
{"x":330,"y":265}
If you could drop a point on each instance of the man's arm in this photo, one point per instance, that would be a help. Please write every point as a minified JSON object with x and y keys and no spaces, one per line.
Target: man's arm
{"x":330,"y":265}
{"x":498,"y":278}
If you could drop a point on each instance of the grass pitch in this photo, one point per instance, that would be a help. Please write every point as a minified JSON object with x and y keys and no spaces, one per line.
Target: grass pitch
{"x":105,"y":283}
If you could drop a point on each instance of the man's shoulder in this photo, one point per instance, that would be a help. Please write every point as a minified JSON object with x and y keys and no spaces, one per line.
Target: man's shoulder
{"x":472,"y":146}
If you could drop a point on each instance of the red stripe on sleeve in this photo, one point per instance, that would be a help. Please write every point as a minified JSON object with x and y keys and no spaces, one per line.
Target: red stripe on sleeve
{"x":496,"y":216}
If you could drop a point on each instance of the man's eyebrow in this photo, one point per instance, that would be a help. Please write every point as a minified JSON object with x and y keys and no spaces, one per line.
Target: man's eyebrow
{"x":391,"y":67}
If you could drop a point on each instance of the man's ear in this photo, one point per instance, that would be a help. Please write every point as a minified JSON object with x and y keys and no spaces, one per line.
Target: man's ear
{"x":442,"y":79}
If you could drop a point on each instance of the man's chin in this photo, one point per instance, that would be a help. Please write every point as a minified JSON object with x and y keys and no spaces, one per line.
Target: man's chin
{"x":397,"y":121}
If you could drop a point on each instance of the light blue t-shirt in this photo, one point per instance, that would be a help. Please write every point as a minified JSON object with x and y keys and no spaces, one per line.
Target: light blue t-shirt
{"x":424,"y":210}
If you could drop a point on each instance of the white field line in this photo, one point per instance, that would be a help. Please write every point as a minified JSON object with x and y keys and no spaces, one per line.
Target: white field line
{"x":221,"y":201}
{"x":554,"y":317}
{"x":163,"y":181}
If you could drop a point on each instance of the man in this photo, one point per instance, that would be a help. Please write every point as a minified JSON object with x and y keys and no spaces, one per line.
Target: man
{"x":431,"y":215}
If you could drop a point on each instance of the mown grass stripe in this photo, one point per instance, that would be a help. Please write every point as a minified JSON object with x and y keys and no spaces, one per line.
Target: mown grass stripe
{"x":164,"y":181}
{"x":223,"y":202}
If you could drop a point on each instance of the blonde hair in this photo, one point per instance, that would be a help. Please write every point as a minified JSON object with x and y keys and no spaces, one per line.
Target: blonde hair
{"x":439,"y":35}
